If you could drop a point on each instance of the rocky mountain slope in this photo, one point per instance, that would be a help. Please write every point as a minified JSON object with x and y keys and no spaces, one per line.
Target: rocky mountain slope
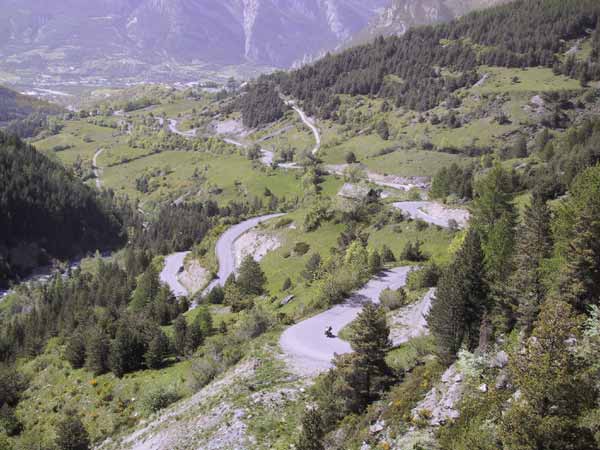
{"x":125,"y":37}
{"x":400,"y":15}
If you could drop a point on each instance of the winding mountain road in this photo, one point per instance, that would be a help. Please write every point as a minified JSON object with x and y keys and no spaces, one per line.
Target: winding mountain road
{"x":224,"y":249}
{"x":310,"y":124}
{"x":309,"y":351}
{"x":97,"y":171}
{"x":225,"y":257}
{"x":173,"y":129}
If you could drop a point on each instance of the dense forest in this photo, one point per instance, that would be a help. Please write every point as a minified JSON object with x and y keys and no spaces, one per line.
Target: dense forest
{"x":260,"y":104}
{"x":406,"y":69}
{"x":48,"y":213}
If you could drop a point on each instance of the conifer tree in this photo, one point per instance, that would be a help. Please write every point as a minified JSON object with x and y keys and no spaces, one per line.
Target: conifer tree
{"x":580,"y":280}
{"x":180,"y":335}
{"x":534,"y":245}
{"x":461,"y":300}
{"x":311,"y":436}
{"x":554,"y":387}
{"x":370,"y":340}
{"x":71,"y":434}
{"x":158,"y":349}
{"x":97,"y":349}
{"x":147,"y":289}
{"x":126,"y":350}
{"x":251,"y":279}
{"x":75,"y":350}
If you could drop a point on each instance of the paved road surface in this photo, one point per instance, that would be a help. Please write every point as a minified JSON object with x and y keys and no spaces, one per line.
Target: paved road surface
{"x":224,"y":249}
{"x":305,"y":345}
{"x":173,"y":128}
{"x":225,"y":257}
{"x":97,"y":171}
{"x":170,"y":271}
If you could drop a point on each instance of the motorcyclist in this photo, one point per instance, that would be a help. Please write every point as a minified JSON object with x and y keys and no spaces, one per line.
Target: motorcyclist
{"x":329,"y":332}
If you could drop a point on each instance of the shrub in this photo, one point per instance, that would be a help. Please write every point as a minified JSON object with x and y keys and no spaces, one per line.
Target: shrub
{"x":421,"y":225}
{"x":427,"y":277}
{"x":301,"y":248}
{"x":254,"y":323}
{"x":159,"y":398}
{"x":387,"y":256}
{"x":412,"y":252}
{"x":393,"y":299}
{"x":204,"y":370}
{"x":287,"y":284}
{"x":283,"y":222}
{"x":216,"y":296}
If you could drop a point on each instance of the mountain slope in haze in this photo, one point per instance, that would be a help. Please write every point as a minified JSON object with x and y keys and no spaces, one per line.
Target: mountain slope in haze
{"x":14,"y":105}
{"x":400,"y":15}
{"x":120,"y":38}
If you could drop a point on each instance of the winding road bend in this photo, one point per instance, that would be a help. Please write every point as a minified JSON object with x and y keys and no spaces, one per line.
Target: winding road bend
{"x":309,"y":351}
{"x":225,"y":257}
{"x":310,"y":124}
{"x":97,"y":170}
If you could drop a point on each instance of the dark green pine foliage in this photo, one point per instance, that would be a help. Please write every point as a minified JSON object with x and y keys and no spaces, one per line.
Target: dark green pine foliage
{"x":311,"y":436}
{"x":462,"y":299}
{"x":146,"y":290}
{"x":370,"y":340}
{"x":251,"y":279}
{"x":261,"y":104}
{"x":534,"y":246}
{"x":158,"y":350}
{"x":97,"y":350}
{"x":180,"y":329}
{"x":71,"y":434}
{"x":75,"y":350}
{"x":494,"y":218}
{"x":127,"y":350}
{"x":580,"y":280}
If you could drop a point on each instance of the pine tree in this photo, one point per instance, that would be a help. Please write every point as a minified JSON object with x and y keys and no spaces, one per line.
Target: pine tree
{"x":180,"y":335}
{"x":126,"y":350}
{"x":461,"y":300}
{"x":534,"y":245}
{"x":71,"y":434}
{"x":580,"y":279}
{"x":251,"y":279}
{"x":555,"y":388}
{"x":370,"y":340}
{"x":146,"y":290}
{"x":97,"y":349}
{"x":375,"y":265}
{"x":312,"y":268}
{"x":158,"y":349}
{"x":311,"y":436}
{"x":75,"y":350}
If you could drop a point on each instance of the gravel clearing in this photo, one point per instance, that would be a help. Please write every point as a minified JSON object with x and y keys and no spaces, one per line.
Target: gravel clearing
{"x":434,"y":213}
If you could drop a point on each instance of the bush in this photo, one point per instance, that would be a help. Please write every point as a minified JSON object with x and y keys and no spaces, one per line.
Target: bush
{"x":283,"y":222}
{"x":287,"y":284}
{"x":216,"y":296}
{"x":393,"y":299}
{"x":387,"y":256}
{"x":301,"y":248}
{"x":254,"y":323}
{"x":204,"y":370}
{"x":421,"y":225}
{"x":412,"y":252}
{"x":427,"y":277}
{"x":160,"y":398}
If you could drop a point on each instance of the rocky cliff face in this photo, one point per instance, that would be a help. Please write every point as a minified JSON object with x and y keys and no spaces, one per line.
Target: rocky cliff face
{"x":265,"y":32}
{"x":400,"y":15}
